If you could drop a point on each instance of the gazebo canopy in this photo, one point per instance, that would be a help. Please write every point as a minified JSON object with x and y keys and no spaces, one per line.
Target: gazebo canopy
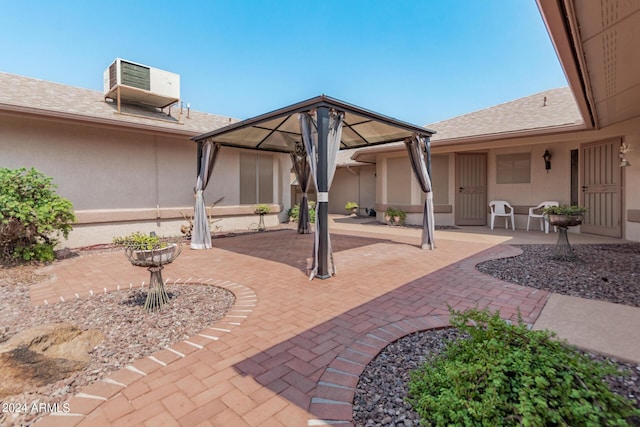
{"x":280,"y":129}
{"x":324,"y":126}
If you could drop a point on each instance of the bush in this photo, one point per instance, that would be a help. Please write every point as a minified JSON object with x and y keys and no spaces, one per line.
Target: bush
{"x":262,"y":209}
{"x":568,"y":210}
{"x":506,"y":374}
{"x":32,"y":215}
{"x":294,"y":212}
{"x":351,"y":205}
{"x":392,"y":212}
{"x":140,"y":241}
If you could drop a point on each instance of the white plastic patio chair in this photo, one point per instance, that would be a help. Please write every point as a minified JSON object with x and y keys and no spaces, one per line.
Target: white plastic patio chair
{"x":502,"y":208}
{"x":544,"y":224}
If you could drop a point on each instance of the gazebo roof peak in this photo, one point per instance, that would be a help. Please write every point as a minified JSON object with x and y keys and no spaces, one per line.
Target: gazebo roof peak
{"x":279,"y":130}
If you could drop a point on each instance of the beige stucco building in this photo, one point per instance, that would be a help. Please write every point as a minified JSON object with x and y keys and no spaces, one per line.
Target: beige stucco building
{"x":134,"y":170}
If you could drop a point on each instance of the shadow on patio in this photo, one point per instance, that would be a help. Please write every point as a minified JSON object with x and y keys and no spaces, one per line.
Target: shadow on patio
{"x":317,"y":368}
{"x":290,"y":248}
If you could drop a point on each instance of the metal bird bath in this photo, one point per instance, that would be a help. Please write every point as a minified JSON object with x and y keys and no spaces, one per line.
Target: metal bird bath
{"x":154,"y":258}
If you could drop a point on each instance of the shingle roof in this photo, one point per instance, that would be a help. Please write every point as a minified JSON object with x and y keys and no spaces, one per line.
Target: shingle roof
{"x":545,"y":110}
{"x":28,"y":94}
{"x":549,"y":111}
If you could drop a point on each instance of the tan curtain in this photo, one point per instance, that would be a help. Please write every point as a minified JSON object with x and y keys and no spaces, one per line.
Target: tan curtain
{"x":302,"y":170}
{"x":201,"y":234}
{"x":309,"y":131}
{"x":418,"y":148}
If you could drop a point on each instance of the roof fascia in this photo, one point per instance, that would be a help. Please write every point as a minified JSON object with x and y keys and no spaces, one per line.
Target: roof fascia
{"x":559,"y":18}
{"x":478,"y":139}
{"x":90,"y":121}
{"x":508,"y":135}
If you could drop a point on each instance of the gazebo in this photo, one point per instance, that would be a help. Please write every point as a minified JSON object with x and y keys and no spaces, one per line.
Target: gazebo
{"x":313,"y":131}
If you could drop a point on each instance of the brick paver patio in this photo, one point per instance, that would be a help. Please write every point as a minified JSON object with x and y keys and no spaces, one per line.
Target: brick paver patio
{"x":290,"y":351}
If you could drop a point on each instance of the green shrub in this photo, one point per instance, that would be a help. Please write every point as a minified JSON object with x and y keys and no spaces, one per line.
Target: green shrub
{"x":569,"y":210}
{"x":506,"y":374}
{"x":390,"y":212}
{"x":32,"y":215}
{"x":294,"y":212}
{"x":140,"y":241}
{"x":262,"y":209}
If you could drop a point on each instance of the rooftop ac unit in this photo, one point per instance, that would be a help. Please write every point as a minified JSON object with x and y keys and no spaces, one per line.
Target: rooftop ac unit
{"x":131,"y":82}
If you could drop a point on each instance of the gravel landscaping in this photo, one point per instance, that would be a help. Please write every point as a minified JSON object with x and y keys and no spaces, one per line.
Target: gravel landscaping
{"x":130,"y":332}
{"x":604,"y":272}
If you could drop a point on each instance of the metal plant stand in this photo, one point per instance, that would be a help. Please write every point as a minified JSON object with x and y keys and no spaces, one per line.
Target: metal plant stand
{"x":154,"y":259}
{"x":261,"y":226}
{"x":564,"y":251}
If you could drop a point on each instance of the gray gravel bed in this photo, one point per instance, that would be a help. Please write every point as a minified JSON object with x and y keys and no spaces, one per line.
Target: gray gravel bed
{"x":605,"y":272}
{"x":130,"y":332}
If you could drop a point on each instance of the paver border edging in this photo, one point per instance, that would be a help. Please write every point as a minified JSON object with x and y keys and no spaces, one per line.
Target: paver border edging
{"x":332,"y":402}
{"x":91,"y":396}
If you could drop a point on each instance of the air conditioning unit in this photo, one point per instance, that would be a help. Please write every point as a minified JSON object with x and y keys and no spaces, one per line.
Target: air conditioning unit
{"x":127,"y":81}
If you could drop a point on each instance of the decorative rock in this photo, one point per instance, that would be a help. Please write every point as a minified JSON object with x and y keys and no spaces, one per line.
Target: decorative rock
{"x":22,"y":369}
{"x":57,"y":340}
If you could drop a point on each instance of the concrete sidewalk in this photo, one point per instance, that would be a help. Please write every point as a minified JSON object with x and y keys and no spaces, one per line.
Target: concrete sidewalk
{"x":611,"y":329}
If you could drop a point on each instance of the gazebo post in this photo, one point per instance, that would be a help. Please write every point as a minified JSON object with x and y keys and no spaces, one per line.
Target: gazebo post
{"x":322,"y":222}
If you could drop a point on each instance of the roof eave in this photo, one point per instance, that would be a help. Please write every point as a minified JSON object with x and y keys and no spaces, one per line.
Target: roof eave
{"x":91,"y":120}
{"x":475,"y":139}
{"x":562,"y":28}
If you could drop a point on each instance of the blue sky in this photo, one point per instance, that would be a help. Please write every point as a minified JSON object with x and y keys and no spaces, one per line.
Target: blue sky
{"x":420,"y":61}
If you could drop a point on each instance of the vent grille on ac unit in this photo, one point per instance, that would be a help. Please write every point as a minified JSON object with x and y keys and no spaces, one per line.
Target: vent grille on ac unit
{"x":128,"y":82}
{"x":135,"y":75}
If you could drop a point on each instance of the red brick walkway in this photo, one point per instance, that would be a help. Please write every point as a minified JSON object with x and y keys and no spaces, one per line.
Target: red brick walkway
{"x":290,"y":351}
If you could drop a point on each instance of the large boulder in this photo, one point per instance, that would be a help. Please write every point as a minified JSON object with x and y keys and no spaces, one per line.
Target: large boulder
{"x":56,"y":340}
{"x":44,"y":354}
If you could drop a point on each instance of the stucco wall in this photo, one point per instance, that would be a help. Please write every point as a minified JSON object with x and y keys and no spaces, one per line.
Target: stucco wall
{"x":353,"y":184}
{"x":121,"y":181}
{"x":554,"y":184}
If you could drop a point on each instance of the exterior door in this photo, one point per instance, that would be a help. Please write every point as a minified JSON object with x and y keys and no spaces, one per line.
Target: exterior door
{"x":471,"y":185}
{"x":601,"y":189}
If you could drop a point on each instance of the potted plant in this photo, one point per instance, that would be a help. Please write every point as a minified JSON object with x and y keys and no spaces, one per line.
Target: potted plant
{"x":152,"y":252}
{"x":147,"y":249}
{"x":389,"y":214}
{"x":400,"y":217}
{"x":352,"y":207}
{"x":564,"y":215}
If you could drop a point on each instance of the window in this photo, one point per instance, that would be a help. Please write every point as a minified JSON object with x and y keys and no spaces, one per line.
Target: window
{"x":513,"y":168}
{"x":256,"y":178}
{"x":440,"y":179}
{"x":398,"y":180}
